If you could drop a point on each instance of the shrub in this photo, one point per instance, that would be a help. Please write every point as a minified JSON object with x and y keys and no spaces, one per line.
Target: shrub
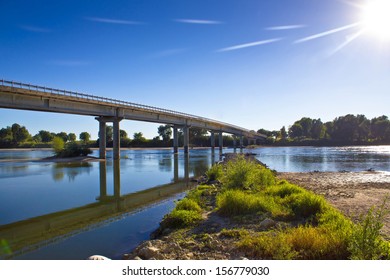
{"x":181,"y":218}
{"x":72,"y":149}
{"x":267,"y":245}
{"x":234,"y":233}
{"x":58,"y":145}
{"x":215,"y":172}
{"x":188,"y":204}
{"x":246,"y":174}
{"x":237,"y":202}
{"x":283,"y":189}
{"x":306,"y":204}
{"x":366,"y":241}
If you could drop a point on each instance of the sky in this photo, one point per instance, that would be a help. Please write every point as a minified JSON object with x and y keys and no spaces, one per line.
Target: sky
{"x":252,"y":63}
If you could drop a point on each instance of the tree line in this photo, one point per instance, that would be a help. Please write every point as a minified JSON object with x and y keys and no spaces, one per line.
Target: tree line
{"x":345,"y":130}
{"x":17,"y":135}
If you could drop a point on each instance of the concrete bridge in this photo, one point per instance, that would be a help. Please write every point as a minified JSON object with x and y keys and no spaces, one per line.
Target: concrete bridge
{"x":16,"y":95}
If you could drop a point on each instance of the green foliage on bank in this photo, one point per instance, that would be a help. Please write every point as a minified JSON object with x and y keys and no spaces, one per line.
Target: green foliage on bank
{"x":70,"y":149}
{"x":306,"y":225}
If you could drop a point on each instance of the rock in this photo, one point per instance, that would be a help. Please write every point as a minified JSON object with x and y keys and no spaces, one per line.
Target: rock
{"x":98,"y":258}
{"x":148,"y":252}
{"x":267,"y":223}
{"x":136,"y":258}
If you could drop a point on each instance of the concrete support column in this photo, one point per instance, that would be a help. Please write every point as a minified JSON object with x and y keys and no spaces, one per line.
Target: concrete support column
{"x":212,"y":139}
{"x":241,"y":142}
{"x":186,"y":132}
{"x":234,"y":142}
{"x":175,"y":167}
{"x":116,"y":139}
{"x":102,"y":139}
{"x":175,"y":140}
{"x":103,"y":180}
{"x":117,"y":179}
{"x":220,"y":141}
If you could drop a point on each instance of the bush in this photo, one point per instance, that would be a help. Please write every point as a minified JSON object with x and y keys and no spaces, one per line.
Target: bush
{"x":188,"y":204}
{"x":181,"y":218}
{"x":72,"y":149}
{"x":246,"y":174}
{"x":237,"y":202}
{"x":366,"y":241}
{"x":58,"y":145}
{"x":215,"y":172}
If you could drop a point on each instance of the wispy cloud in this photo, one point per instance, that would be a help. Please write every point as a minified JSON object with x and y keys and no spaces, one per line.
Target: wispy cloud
{"x":326,"y":33}
{"x":198,"y":21}
{"x":166,"y":53}
{"x":68,"y":63}
{"x":35,"y":29}
{"x":285,"y":27}
{"x":248,"y":45}
{"x":113,"y":21}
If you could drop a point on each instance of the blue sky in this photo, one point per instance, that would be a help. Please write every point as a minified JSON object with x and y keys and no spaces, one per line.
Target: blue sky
{"x":252,"y":63}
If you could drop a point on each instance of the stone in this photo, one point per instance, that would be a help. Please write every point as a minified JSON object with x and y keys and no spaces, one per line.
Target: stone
{"x":267,"y":223}
{"x":148,"y":252}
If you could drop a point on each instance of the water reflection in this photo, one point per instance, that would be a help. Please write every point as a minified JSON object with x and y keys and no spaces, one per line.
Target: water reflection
{"x":70,"y":169}
{"x":34,"y":233}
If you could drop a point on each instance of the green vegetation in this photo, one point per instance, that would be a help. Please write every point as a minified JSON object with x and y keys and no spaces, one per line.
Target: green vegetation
{"x":275,"y":219}
{"x":344,"y":130}
{"x":70,"y":149}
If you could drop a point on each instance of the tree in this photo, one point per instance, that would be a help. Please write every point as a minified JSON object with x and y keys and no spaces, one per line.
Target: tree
{"x":109,"y":133}
{"x":19,"y":133}
{"x":85,"y":136}
{"x":46,"y":136}
{"x":283,"y":133}
{"x":138,"y":138}
{"x":71,"y":137}
{"x":63,"y":136}
{"x":123,"y":134}
{"x":296,"y":130}
{"x":165,"y":131}
{"x":317,"y":129}
{"x":379,"y":127}
{"x":6,"y":135}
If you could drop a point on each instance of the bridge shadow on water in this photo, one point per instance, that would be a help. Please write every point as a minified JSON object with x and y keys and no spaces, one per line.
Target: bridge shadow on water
{"x":22,"y":237}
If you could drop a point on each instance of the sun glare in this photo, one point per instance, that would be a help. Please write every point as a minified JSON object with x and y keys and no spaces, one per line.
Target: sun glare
{"x":376,"y":18}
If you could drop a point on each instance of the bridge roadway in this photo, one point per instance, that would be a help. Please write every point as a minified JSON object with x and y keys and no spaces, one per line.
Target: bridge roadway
{"x":16,"y":95}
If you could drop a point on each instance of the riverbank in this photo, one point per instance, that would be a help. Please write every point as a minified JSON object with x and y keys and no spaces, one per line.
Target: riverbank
{"x":353,"y":193}
{"x":275,"y":233}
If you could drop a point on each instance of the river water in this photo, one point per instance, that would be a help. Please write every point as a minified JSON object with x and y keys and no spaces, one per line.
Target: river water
{"x":74,"y":210}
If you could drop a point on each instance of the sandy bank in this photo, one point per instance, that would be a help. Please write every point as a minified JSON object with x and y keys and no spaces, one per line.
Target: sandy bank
{"x":353,"y":193}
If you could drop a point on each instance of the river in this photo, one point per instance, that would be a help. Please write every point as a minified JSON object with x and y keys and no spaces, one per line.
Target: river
{"x":73,"y":210}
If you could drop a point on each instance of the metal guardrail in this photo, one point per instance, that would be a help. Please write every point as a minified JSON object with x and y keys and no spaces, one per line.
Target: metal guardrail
{"x":112,"y":101}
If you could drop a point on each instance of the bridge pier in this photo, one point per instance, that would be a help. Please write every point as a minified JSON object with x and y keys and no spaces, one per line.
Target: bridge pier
{"x":220,"y":141}
{"x":186,"y":132}
{"x":241,"y":142}
{"x":175,"y":140}
{"x":102,"y":136}
{"x":234,"y":142}
{"x":212,"y":139}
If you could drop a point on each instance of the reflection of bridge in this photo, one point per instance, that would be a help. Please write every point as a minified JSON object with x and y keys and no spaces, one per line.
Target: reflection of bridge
{"x":30,"y":97}
{"x":31,"y":234}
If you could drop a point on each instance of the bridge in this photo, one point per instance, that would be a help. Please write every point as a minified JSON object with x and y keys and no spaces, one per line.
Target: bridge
{"x":16,"y":95}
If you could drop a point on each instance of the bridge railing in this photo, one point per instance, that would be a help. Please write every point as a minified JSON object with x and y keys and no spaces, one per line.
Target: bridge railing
{"x":112,"y":101}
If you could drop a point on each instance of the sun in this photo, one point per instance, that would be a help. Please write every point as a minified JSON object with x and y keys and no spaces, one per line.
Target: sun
{"x":376,"y":18}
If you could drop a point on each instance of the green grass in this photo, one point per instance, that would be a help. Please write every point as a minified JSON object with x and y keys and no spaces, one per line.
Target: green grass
{"x":241,"y":173}
{"x":313,"y":229}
